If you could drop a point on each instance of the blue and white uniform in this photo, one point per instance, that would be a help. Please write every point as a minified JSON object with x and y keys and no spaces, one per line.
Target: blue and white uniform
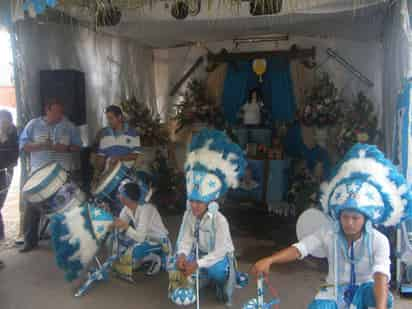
{"x":214,"y":164}
{"x":146,"y":232}
{"x":367,"y":183}
{"x":215,"y":244}
{"x":376,"y":260}
{"x":39,"y":131}
{"x":119,"y":143}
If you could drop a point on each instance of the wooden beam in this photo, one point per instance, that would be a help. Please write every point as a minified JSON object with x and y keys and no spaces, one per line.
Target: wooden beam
{"x":174,"y":90}
{"x":293,"y":53}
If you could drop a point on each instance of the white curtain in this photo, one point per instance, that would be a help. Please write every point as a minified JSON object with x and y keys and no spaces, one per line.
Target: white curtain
{"x":396,"y":45}
{"x":114,"y":68}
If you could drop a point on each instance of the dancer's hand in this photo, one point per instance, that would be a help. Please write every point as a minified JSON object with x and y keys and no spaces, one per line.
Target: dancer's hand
{"x":190,"y":268}
{"x":261,"y":267}
{"x":120,"y":224}
{"x":181,"y":262}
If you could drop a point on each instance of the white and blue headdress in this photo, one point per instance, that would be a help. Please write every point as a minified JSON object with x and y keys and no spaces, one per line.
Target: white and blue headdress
{"x":214,"y":164}
{"x":76,"y":236}
{"x":367,"y":182}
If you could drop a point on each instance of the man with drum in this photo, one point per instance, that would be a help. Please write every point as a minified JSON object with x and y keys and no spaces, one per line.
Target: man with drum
{"x":117,"y":142}
{"x":364,"y":190}
{"x":45,"y":139}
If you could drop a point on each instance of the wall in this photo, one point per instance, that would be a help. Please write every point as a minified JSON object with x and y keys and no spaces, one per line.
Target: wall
{"x":7,"y":96}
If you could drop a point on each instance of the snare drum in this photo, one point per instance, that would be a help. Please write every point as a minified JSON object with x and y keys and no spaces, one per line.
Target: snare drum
{"x":66,"y":198}
{"x":111,"y":182}
{"x":44,"y":183}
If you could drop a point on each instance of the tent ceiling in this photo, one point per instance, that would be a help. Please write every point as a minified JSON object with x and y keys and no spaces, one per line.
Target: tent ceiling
{"x":333,"y":18}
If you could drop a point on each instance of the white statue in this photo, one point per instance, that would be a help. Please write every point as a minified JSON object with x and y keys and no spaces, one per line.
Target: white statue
{"x":251,"y":110}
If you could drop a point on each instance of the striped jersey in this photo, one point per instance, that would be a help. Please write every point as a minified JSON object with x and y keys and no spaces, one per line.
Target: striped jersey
{"x":119,"y":143}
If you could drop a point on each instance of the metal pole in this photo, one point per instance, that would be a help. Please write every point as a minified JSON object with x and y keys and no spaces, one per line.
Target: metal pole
{"x":260,"y":299}
{"x":197,"y":262}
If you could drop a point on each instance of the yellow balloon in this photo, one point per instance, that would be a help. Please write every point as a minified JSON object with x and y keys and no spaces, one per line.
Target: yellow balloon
{"x":259,"y":66}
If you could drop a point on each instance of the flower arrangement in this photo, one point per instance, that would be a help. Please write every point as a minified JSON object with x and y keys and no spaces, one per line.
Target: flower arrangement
{"x":359,"y":125}
{"x":323,"y":104}
{"x":302,"y":190}
{"x":148,"y":124}
{"x":169,"y":183}
{"x":197,"y":106}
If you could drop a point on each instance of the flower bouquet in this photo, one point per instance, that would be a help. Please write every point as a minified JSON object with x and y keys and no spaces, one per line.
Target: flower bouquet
{"x":323,"y":104}
{"x":360,"y":125}
{"x":149,"y":126}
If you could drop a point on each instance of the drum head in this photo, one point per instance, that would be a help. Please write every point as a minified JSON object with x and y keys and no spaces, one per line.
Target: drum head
{"x":107,"y":178}
{"x":68,"y":196}
{"x":309,"y":222}
{"x":38,"y":176}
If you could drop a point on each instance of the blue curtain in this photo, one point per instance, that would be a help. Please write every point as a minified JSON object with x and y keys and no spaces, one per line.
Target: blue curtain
{"x":401,"y":133}
{"x":235,"y":89}
{"x":276,"y":88}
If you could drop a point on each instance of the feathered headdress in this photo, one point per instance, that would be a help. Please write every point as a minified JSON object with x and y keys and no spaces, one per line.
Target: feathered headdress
{"x":367,"y":182}
{"x":214,"y":164}
{"x":76,"y":235}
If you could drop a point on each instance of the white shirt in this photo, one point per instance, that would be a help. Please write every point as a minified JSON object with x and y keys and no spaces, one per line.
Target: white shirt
{"x":223,"y":240}
{"x":323,"y":240}
{"x":148,"y":224}
{"x":251,"y":114}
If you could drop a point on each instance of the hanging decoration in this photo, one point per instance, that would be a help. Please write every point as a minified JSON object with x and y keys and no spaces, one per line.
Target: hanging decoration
{"x":141,"y":117}
{"x":194,"y":7}
{"x":259,"y":67}
{"x":359,"y":125}
{"x":36,"y":7}
{"x":107,"y":14}
{"x":268,"y":7}
{"x":323,"y":105}
{"x":196,"y":106}
{"x":180,"y":10}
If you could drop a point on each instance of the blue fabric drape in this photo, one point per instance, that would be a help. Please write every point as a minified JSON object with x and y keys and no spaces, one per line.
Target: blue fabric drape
{"x":276,"y":89}
{"x":235,"y":89}
{"x":401,"y":135}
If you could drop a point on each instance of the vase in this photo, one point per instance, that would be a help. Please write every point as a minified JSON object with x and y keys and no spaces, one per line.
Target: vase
{"x":321,"y":136}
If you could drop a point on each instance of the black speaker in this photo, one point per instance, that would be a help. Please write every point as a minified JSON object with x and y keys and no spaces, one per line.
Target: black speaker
{"x":68,"y":86}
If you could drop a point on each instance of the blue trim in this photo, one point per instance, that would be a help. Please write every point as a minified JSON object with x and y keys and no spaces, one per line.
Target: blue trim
{"x":46,"y":181}
{"x":114,"y":183}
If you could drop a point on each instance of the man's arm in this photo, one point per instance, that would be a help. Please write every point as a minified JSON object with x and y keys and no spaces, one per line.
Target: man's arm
{"x":381,"y":290}
{"x":287,"y":255}
{"x":26,"y":142}
{"x":128,"y":157}
{"x":381,"y":270}
{"x":295,"y":252}
{"x":33,"y":147}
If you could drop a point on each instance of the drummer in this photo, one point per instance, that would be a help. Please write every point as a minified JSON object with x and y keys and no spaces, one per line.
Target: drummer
{"x":117,"y":142}
{"x":366,"y":189}
{"x":141,"y":223}
{"x":45,"y":139}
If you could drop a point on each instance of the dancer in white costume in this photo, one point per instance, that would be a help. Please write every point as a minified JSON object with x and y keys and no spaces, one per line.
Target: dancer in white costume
{"x":204,"y":245}
{"x":365,"y":189}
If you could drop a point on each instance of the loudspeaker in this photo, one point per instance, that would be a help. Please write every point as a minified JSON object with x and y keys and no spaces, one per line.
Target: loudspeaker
{"x":68,"y":86}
